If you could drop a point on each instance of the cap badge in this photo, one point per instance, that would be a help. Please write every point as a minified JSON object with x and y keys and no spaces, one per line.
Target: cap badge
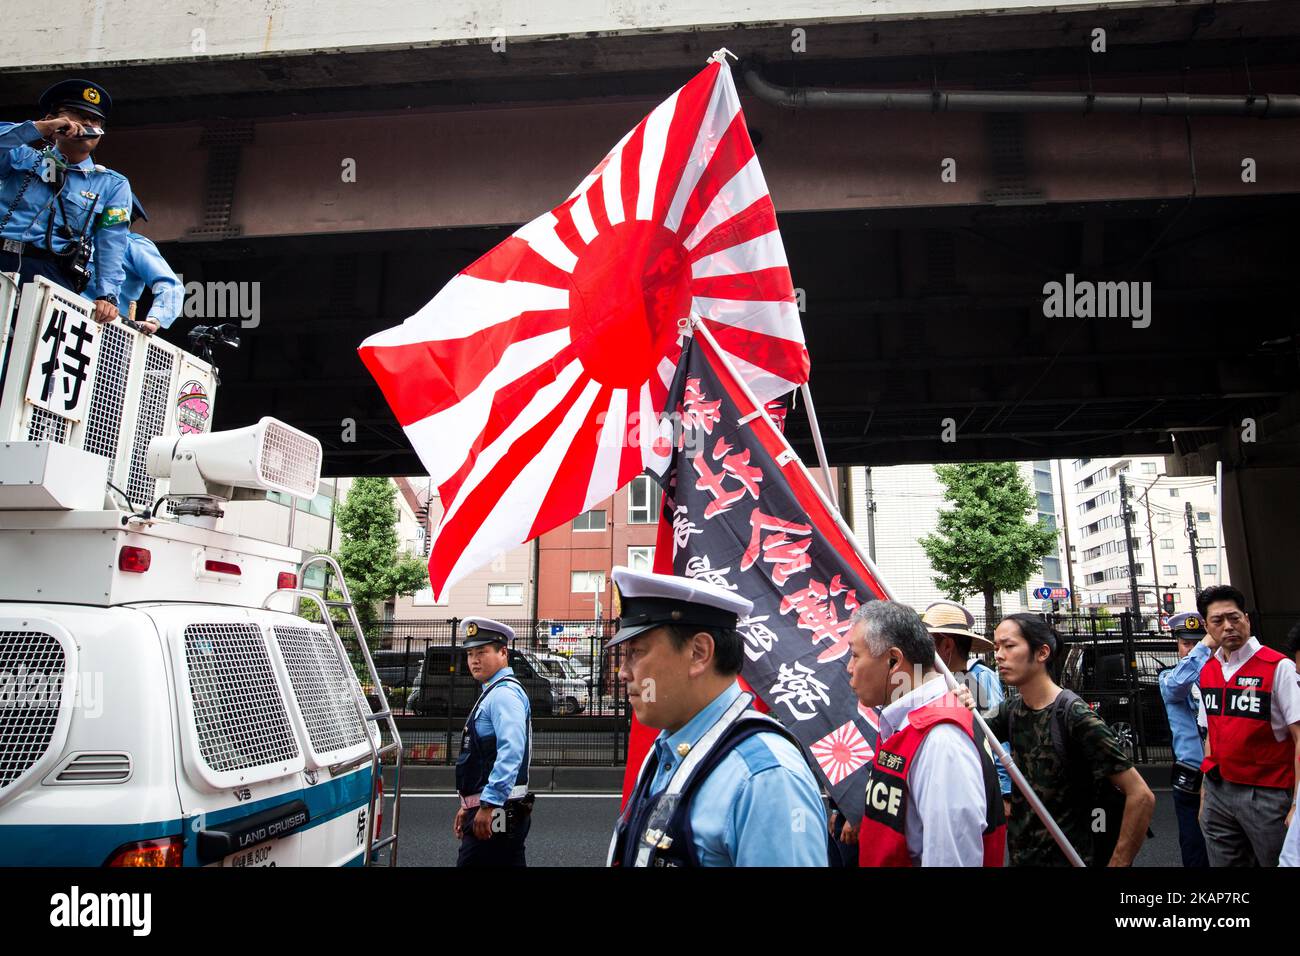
{"x":90,"y":94}
{"x":1191,"y":624}
{"x":617,"y":608}
{"x":471,"y":629}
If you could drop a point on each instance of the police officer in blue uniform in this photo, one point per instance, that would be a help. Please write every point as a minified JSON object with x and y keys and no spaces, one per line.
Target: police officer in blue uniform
{"x":58,"y":208}
{"x":723,"y":785}
{"x":145,"y":267}
{"x":492,"y":771}
{"x":1179,"y":690}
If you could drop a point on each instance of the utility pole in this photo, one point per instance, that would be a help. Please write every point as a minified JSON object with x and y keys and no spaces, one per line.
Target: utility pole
{"x":1191,"y":536}
{"x":1065,"y":526}
{"x":871,"y":517}
{"x":1151,"y":532}
{"x":1127,"y":513}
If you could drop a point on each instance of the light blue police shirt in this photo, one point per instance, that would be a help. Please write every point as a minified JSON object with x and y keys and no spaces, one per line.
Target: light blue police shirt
{"x":1176,"y":686}
{"x":145,"y":266}
{"x":505,"y":713}
{"x":88,"y":193}
{"x":761,"y":805}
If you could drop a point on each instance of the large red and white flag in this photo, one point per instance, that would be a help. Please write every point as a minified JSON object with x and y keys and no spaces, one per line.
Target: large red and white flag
{"x":532,"y":384}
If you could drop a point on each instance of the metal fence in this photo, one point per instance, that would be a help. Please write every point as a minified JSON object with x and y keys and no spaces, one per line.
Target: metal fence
{"x":1113,"y":663}
{"x":580,"y":709}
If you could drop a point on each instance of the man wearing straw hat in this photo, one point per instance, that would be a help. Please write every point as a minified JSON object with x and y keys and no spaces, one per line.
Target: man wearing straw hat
{"x":953,"y":630}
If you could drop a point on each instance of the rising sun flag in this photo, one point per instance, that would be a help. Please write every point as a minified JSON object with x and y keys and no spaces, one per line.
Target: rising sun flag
{"x":532,"y":384}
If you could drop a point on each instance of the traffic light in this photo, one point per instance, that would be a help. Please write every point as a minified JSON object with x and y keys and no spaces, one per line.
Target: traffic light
{"x":1169,"y":603}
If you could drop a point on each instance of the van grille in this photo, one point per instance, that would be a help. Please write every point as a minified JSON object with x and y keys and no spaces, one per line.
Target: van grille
{"x":104,"y":420}
{"x":151,"y":418}
{"x":46,"y":426}
{"x":322,"y":687}
{"x":239,"y":715}
{"x":97,"y":767}
{"x":32,"y":670}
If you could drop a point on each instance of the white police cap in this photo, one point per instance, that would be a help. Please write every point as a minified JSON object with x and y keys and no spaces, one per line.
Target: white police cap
{"x":477,"y":631}
{"x":644,"y":600}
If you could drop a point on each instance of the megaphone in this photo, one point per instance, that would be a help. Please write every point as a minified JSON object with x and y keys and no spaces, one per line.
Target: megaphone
{"x":270,"y":456}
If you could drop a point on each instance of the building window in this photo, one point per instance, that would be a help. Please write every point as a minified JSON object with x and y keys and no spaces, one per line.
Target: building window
{"x":1148,"y":467}
{"x":424,"y":598}
{"x":641,"y":559}
{"x":642,"y":500}
{"x":1170,"y":569}
{"x":587,"y":582}
{"x":1167,"y":544}
{"x":1162,"y":519}
{"x":1207,"y":542}
{"x":593,"y":520}
{"x":1202,"y":516}
{"x":1212,"y":569}
{"x":505,"y":594}
{"x":1173,"y":493}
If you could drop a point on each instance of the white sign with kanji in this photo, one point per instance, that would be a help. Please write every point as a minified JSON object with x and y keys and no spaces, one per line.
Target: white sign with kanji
{"x":63,"y":362}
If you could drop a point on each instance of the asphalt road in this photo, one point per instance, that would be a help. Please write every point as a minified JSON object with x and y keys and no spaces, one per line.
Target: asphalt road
{"x":574,"y":830}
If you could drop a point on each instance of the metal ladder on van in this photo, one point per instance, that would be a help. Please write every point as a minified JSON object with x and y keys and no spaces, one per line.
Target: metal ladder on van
{"x":385,"y":712}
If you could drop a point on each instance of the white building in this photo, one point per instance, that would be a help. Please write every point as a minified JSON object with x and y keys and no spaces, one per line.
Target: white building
{"x":907,"y":500}
{"x":1162,"y":560}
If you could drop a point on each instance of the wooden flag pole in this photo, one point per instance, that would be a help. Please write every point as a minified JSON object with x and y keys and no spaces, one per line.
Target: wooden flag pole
{"x":1016,"y":776}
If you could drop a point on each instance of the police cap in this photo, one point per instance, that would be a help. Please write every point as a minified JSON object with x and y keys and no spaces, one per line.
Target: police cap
{"x":82,"y":95}
{"x":477,"y":631}
{"x":1187,"y":626}
{"x":644,"y":600}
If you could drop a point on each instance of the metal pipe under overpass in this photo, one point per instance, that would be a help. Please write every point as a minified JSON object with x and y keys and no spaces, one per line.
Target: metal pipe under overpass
{"x":1254,"y":105}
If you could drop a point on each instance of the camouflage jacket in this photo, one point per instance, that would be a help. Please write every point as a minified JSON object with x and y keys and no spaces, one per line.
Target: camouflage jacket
{"x":1030,"y":843}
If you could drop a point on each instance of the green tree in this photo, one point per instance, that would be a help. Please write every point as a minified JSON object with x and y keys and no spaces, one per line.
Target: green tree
{"x":368,"y":555}
{"x":987,"y":543}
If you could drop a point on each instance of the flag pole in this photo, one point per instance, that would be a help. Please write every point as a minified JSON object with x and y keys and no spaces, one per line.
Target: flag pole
{"x":817,"y":443}
{"x":1016,"y":776}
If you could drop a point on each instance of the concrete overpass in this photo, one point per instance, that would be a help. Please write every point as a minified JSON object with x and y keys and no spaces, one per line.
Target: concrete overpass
{"x":924,"y":294}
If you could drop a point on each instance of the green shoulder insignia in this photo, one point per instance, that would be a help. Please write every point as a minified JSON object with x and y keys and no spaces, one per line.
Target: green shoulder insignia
{"x":114,"y":215}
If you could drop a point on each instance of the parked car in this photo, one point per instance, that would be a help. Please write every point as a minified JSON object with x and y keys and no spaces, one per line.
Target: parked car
{"x":398,"y":668}
{"x":569,"y":691}
{"x":1098,"y":671}
{"x":444,"y":675}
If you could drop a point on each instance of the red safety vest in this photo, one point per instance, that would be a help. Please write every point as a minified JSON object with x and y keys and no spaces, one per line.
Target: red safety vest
{"x":1238,"y":713}
{"x":882,"y":839}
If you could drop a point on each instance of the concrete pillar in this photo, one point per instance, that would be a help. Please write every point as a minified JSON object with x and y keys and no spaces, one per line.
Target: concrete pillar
{"x":1261,"y":513}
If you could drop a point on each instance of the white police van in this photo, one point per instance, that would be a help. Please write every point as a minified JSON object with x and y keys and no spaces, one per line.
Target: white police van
{"x":160,"y":702}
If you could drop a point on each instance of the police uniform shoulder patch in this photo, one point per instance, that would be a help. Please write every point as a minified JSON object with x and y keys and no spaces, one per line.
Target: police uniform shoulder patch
{"x":114,"y":216}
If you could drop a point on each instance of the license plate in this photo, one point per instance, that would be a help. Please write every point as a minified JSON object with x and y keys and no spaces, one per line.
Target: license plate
{"x":264,"y":854}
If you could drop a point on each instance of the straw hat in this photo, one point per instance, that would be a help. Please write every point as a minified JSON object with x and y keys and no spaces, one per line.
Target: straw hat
{"x":949,"y":617}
